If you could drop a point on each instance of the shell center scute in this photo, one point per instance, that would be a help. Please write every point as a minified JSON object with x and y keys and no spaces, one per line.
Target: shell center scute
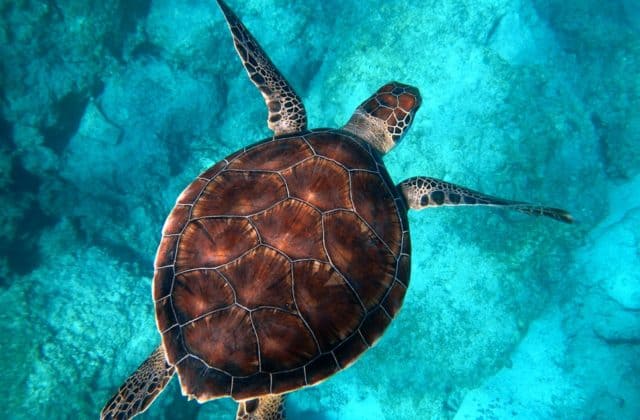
{"x":294,"y":228}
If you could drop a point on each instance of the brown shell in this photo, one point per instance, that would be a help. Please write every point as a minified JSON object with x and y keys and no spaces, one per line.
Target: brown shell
{"x":280,"y":265}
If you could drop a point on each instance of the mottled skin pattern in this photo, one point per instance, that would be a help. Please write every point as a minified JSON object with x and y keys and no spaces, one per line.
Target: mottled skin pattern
{"x":382,"y":119}
{"x":141,"y":389}
{"x":422,"y":192}
{"x":286,"y":111}
{"x":284,"y":262}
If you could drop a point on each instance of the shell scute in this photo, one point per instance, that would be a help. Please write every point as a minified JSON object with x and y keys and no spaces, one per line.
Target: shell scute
{"x":163,"y":282}
{"x":273,"y":155}
{"x":350,"y":349}
{"x":349,"y":152}
{"x":393,"y":300}
{"x":166,"y":318}
{"x":287,"y":380}
{"x":193,"y":190}
{"x":224,"y":340}
{"x":239,"y":193}
{"x":293,"y":227}
{"x":248,"y":387}
{"x":172,"y":337}
{"x":374,"y":325}
{"x":261,"y":277}
{"x":219,"y":241}
{"x":273,"y":327}
{"x":200,"y":381}
{"x":326,"y":302}
{"x":176,"y":220}
{"x":374,"y":203}
{"x":358,"y":253}
{"x":196,"y":293}
{"x":166,"y":253}
{"x":319,"y":182}
{"x":321,"y":368}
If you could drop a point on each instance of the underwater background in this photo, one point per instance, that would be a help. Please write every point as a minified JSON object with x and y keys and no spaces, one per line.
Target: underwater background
{"x":109,"y":109}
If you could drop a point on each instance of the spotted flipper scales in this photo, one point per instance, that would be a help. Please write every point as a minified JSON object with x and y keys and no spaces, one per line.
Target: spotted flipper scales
{"x":286,"y":111}
{"x":269,"y":407}
{"x":422,"y":192}
{"x":140,"y":389}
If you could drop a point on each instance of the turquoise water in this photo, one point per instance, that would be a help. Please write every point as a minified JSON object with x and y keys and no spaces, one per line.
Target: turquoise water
{"x":108,"y":111}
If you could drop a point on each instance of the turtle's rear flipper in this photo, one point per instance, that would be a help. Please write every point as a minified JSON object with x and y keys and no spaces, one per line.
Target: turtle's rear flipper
{"x":421,"y":192}
{"x":140,"y":389}
{"x":286,"y":111}
{"x":270,"y":407}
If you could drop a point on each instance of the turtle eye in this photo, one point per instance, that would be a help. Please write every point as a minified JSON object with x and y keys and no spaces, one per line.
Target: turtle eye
{"x":424,"y":200}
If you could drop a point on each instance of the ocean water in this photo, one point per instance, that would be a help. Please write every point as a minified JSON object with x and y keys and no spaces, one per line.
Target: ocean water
{"x":109,"y":109}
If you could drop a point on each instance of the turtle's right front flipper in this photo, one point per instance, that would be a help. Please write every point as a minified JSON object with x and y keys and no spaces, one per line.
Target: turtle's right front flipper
{"x":286,"y":111}
{"x":140,"y":389}
{"x":422,"y":192}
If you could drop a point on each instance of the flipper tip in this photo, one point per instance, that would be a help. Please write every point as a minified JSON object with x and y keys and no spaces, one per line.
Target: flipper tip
{"x":560,"y":215}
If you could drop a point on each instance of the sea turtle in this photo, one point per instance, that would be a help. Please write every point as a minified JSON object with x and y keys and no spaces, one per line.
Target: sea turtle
{"x":280,"y":265}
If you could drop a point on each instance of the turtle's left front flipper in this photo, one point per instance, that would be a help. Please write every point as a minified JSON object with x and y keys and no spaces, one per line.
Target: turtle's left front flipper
{"x":422,"y":192}
{"x":140,"y":389}
{"x":286,"y":111}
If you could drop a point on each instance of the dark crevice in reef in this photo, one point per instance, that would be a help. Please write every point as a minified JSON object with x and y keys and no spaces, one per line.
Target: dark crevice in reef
{"x":494,"y":27}
{"x":23,"y":181}
{"x":136,"y":261}
{"x":55,"y":10}
{"x":604,"y":132}
{"x":131,"y":13}
{"x":6,"y":131}
{"x":97,"y":88}
{"x":69,"y":111}
{"x":146,"y":48}
{"x":617,"y":341}
{"x":3,"y":95}
{"x":179,"y":151}
{"x":22,"y":251}
{"x":129,"y":255}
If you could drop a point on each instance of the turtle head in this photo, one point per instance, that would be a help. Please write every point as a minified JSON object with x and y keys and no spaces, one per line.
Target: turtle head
{"x":384,"y":118}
